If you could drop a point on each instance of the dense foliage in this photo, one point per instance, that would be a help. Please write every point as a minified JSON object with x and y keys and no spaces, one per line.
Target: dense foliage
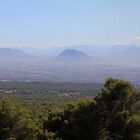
{"x":114,"y":114}
{"x":15,"y":122}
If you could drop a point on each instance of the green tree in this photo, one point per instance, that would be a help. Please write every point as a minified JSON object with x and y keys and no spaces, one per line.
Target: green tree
{"x":110,"y":116}
{"x":15,"y":122}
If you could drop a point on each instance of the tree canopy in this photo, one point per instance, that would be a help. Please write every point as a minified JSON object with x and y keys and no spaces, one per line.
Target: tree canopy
{"x":114,"y":114}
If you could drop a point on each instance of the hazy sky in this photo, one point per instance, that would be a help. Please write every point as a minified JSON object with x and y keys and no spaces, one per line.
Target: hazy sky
{"x":46,"y":23}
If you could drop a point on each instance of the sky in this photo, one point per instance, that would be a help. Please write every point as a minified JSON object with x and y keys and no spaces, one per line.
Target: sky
{"x":56,"y":23}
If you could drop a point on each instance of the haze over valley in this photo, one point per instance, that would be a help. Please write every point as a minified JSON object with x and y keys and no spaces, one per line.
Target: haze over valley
{"x":82,"y":64}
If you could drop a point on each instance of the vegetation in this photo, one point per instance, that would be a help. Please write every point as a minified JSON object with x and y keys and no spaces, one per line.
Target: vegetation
{"x":15,"y":122}
{"x":113,"y":114}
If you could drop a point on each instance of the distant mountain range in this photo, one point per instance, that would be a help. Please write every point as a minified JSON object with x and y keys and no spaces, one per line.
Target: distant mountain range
{"x":90,"y":50}
{"x":129,"y":51}
{"x":132,"y":52}
{"x":79,"y":64}
{"x":114,"y":53}
{"x":7,"y":52}
{"x":13,"y":54}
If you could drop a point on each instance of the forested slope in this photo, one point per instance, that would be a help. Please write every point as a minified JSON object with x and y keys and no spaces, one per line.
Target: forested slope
{"x":113,"y":114}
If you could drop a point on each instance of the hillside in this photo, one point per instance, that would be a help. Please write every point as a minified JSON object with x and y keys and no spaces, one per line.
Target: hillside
{"x":72,"y":55}
{"x":12,"y":54}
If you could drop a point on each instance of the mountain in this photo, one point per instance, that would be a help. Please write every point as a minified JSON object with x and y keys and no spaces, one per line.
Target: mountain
{"x":133,"y":51}
{"x":72,"y":55}
{"x":9,"y":54}
{"x":91,"y":50}
{"x":43,"y":52}
{"x":129,"y":56}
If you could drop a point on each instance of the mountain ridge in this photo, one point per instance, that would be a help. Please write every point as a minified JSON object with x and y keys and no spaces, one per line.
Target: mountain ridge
{"x":72,"y":54}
